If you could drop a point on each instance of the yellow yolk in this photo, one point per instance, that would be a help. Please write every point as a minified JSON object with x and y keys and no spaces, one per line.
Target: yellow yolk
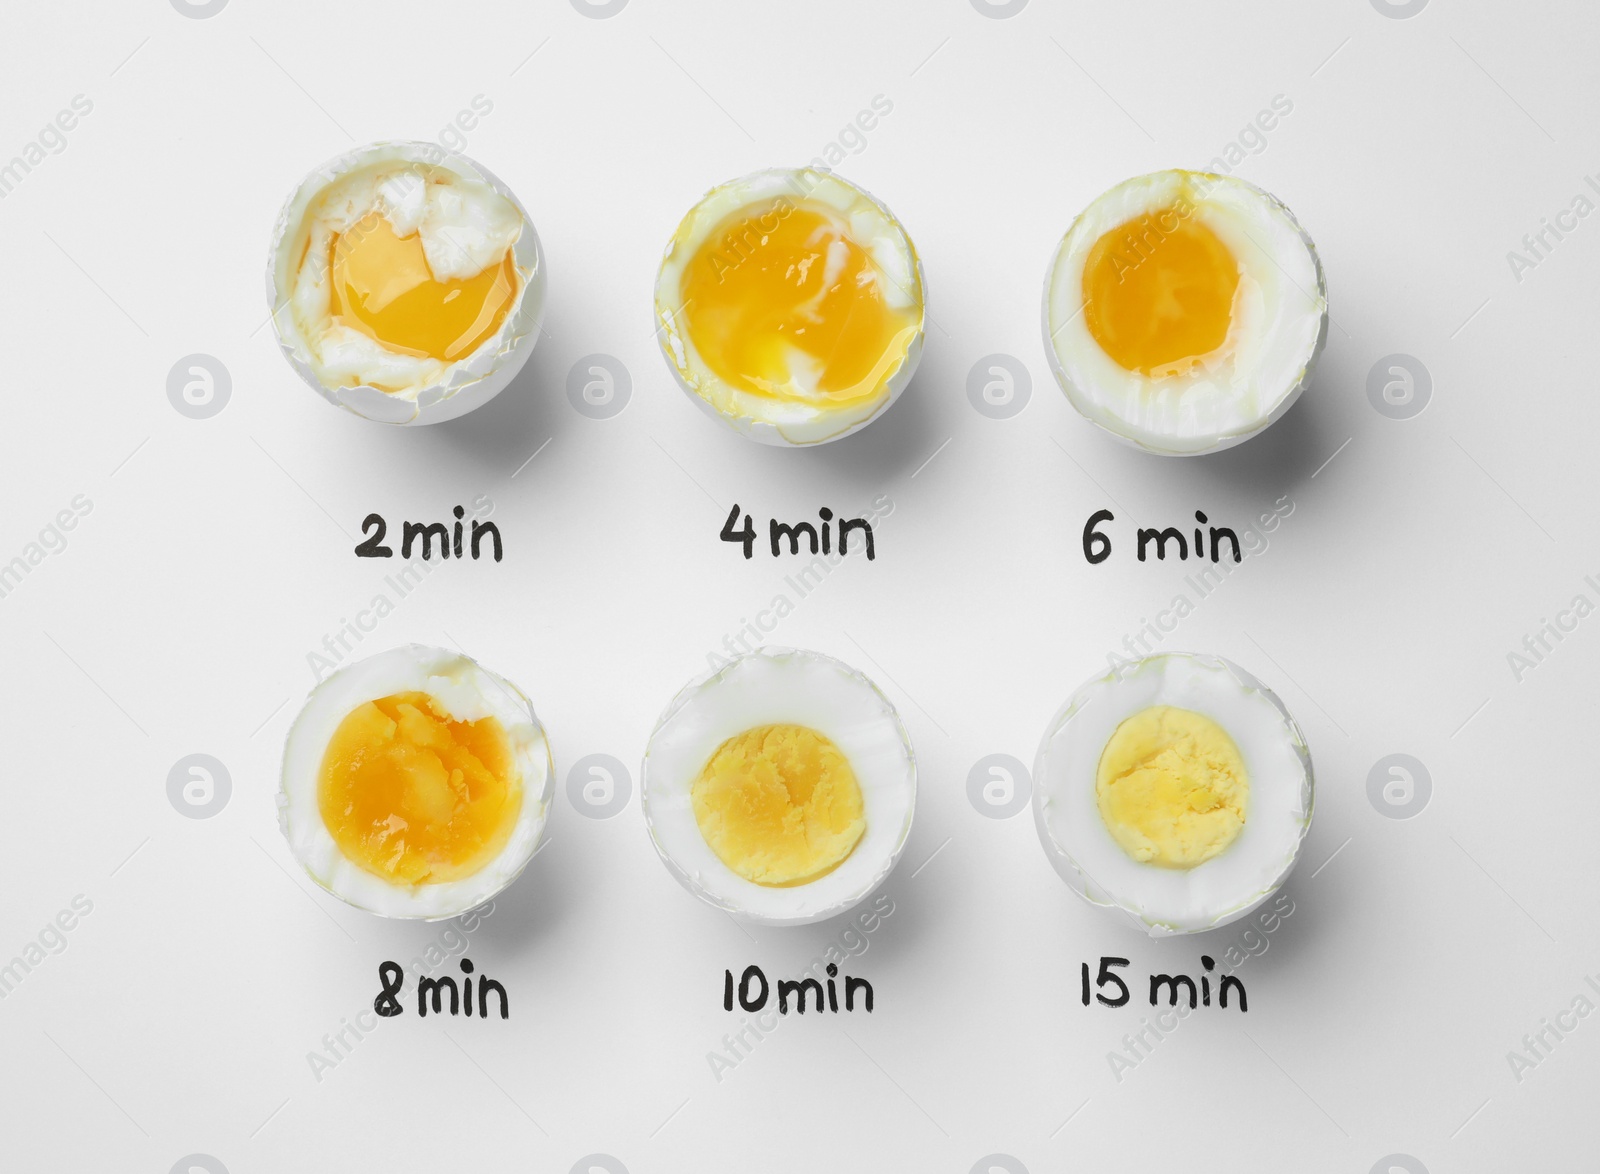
{"x":1171,"y":787}
{"x":1159,"y":289}
{"x":414,"y":796}
{"x":779,"y":805}
{"x":780,"y":301}
{"x":383,"y":287}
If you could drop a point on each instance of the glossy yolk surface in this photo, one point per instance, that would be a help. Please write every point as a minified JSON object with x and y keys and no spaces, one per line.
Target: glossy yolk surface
{"x":414,"y":796}
{"x":780,"y":301}
{"x":1171,"y":787}
{"x":779,"y":805}
{"x":383,"y":287}
{"x":1159,"y":289}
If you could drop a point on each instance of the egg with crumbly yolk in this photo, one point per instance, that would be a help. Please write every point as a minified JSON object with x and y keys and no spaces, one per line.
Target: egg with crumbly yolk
{"x":790,"y":305}
{"x":416,"y":783}
{"x":1176,"y":790}
{"x":407,"y":284}
{"x":780,"y":787}
{"x":1184,"y":312}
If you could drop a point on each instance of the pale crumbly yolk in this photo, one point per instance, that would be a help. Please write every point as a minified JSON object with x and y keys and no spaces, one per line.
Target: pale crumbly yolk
{"x":1171,"y":787}
{"x":779,"y":805}
{"x":1158,"y":290}
{"x":414,"y":796}
{"x":780,"y":291}
{"x":383,"y":287}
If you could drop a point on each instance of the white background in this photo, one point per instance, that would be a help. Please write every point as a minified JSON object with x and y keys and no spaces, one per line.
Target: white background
{"x":217,"y":554}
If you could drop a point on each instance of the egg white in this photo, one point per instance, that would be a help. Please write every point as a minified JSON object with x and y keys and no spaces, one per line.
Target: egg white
{"x":467,"y":692}
{"x":1278,"y":810}
{"x":763,"y":418}
{"x":769,"y":687}
{"x":1280,"y":321}
{"x":465,"y":227}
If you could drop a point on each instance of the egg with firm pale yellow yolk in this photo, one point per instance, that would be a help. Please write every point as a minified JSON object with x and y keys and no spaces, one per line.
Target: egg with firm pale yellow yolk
{"x":780,"y":788}
{"x":407,"y":285}
{"x":1184,"y":312}
{"x":415,"y":783}
{"x":790,"y":305}
{"x":1176,"y":789}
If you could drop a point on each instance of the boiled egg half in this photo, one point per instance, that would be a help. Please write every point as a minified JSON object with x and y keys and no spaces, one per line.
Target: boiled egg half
{"x":406,"y":283}
{"x":789,"y":304}
{"x":416,"y":783}
{"x":1184,"y":311}
{"x":780,"y":787}
{"x":1176,"y":789}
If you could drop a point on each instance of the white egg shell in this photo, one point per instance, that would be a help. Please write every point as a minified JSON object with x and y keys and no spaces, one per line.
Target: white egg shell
{"x":1281,"y":322}
{"x":761,"y":418}
{"x":1163,"y":901}
{"x":468,"y":692}
{"x":466,"y":384}
{"x":768,"y":687}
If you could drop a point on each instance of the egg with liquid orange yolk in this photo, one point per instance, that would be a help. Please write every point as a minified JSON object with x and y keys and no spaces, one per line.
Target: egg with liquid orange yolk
{"x":1184,"y":312}
{"x":780,"y":787}
{"x":789,"y":304}
{"x":415,"y":783}
{"x":407,"y":285}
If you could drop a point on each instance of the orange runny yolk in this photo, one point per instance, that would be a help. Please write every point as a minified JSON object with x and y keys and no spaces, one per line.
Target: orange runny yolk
{"x":383,"y":287}
{"x":779,"y":291}
{"x":1158,"y":290}
{"x":414,"y":796}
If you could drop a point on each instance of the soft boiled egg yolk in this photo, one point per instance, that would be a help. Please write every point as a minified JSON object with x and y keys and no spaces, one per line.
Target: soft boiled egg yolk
{"x":383,"y":287}
{"x":414,"y":796}
{"x":779,"y":805}
{"x":1171,"y":787}
{"x":1158,"y":290}
{"x":781,"y":295}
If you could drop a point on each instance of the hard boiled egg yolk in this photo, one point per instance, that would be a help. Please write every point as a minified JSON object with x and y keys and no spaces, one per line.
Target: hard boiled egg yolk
{"x":414,"y":796}
{"x":781,"y":301}
{"x":1171,"y":787}
{"x":383,"y":287}
{"x":1159,"y":289}
{"x":779,"y":805}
